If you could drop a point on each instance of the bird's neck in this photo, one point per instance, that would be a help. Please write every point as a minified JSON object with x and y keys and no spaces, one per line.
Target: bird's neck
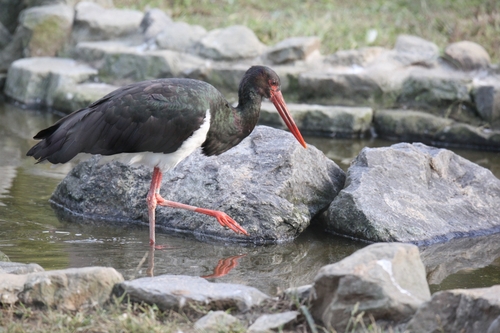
{"x":248,"y":108}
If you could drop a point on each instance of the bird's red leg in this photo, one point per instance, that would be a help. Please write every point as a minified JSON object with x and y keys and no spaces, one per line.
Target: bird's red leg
{"x":151,"y":200}
{"x":155,"y":198}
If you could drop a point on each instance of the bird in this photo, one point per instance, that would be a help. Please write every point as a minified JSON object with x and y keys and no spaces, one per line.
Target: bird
{"x":160,"y":122}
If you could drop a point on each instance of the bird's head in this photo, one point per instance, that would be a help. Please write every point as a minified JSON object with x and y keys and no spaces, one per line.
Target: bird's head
{"x":267,"y":83}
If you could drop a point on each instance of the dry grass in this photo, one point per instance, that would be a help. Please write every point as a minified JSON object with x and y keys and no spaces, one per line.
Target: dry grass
{"x":345,"y":24}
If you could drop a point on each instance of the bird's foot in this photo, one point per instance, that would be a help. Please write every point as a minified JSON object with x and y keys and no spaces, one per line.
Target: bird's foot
{"x":224,"y":220}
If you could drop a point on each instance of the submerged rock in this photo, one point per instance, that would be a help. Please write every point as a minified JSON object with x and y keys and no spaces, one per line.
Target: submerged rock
{"x":415,"y":193}
{"x":385,"y":281}
{"x":268,"y":183}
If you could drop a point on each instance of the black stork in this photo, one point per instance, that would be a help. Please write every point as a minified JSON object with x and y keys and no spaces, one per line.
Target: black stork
{"x":160,"y":122}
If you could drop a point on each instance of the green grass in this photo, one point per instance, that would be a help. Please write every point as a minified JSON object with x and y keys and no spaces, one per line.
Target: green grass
{"x":344,"y":25}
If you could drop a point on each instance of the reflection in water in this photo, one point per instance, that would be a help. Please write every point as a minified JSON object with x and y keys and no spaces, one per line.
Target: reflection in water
{"x":224,"y":266}
{"x":31,"y":232}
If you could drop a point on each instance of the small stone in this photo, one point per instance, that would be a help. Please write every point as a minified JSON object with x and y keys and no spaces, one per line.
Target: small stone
{"x":217,"y":321}
{"x":268,"y":322}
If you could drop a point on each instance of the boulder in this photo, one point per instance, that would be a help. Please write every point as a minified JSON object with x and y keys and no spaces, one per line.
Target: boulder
{"x":48,"y":28}
{"x":180,"y":36}
{"x":487,"y":100}
{"x":351,"y":87}
{"x":69,"y":98}
{"x":319,"y":120}
{"x":93,"y":22}
{"x":413,"y":50}
{"x":95,"y":52}
{"x":10,"y":286}
{"x":19,"y":268}
{"x":232,"y":43}
{"x":385,"y":281}
{"x":293,"y":49}
{"x":133,"y":65}
{"x":357,"y":57}
{"x":467,"y":56}
{"x":459,"y":310}
{"x":178,"y":291}
{"x":10,"y":13}
{"x":5,"y":36}
{"x":434,"y":90}
{"x":154,"y":22}
{"x":33,"y":81}
{"x":415,"y":193}
{"x":268,"y":183}
{"x":215,"y":321}
{"x":70,"y":289}
{"x":276,"y":321}
{"x":409,"y":125}
{"x":226,"y":77}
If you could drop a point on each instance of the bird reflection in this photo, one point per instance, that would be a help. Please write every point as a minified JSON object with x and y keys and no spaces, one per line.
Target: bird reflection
{"x":224,"y":266}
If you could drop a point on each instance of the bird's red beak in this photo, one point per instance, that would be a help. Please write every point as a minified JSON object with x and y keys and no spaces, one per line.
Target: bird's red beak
{"x":280,"y":105}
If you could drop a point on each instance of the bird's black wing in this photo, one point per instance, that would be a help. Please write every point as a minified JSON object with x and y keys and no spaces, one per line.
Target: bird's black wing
{"x":155,"y":116}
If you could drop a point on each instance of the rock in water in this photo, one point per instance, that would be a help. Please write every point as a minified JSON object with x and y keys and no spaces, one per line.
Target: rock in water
{"x":268,"y":183}
{"x":415,"y":193}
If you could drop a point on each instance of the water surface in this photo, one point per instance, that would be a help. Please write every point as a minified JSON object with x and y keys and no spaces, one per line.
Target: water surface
{"x":30,"y":230}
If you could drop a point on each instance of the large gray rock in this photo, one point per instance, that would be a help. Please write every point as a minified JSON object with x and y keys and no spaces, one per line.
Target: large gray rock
{"x":410,"y":125}
{"x":319,"y":120}
{"x":460,"y":310}
{"x":231,"y":43}
{"x":356,"y":57}
{"x":467,"y":56}
{"x":93,"y":22}
{"x":415,"y":193}
{"x":180,"y":36}
{"x":10,"y":13}
{"x":5,"y":36}
{"x":154,"y":21}
{"x":487,"y":100}
{"x":434,"y":90}
{"x":19,"y":268}
{"x":33,"y":81}
{"x":413,"y":50}
{"x":386,"y":281}
{"x":70,"y":289}
{"x":293,"y":49}
{"x":134,"y":65}
{"x":268,"y":183}
{"x":10,"y":286}
{"x":48,"y":29}
{"x":12,"y":278}
{"x":178,"y":291}
{"x":69,"y":98}
{"x":352,"y":87}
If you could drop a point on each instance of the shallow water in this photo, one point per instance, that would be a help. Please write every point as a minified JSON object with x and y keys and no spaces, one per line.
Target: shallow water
{"x":30,"y":230}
